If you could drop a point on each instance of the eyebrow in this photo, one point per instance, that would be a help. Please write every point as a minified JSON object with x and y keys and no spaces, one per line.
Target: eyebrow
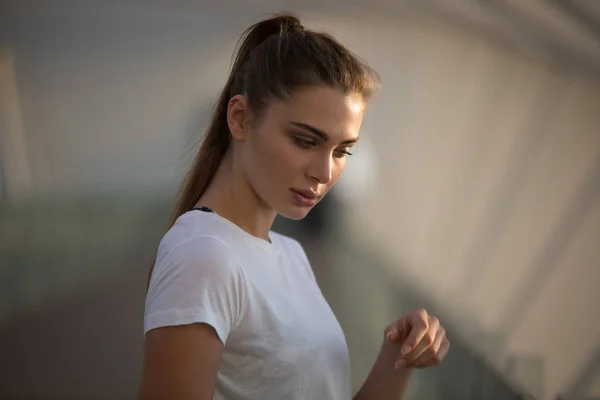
{"x":319,"y":132}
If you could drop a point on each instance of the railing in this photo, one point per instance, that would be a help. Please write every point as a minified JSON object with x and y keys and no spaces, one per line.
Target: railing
{"x":366,"y":300}
{"x":47,"y":247}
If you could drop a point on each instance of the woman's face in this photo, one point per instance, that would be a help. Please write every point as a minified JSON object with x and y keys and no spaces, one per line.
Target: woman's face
{"x":294,"y":154}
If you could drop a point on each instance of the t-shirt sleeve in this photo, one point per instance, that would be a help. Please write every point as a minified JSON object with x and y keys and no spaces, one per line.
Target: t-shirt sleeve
{"x":196,"y":281}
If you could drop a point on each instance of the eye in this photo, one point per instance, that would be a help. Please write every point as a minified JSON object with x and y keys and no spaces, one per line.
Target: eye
{"x":343,"y":153}
{"x":304,"y":143}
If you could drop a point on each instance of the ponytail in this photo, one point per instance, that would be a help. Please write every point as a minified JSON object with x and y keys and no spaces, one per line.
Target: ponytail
{"x":217,"y":138}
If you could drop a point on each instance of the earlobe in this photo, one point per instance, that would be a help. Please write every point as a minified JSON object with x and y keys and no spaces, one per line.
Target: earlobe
{"x":237,"y":117}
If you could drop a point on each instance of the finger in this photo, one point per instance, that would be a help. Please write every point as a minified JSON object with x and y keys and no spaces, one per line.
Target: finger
{"x":426,"y":342}
{"x":419,"y":326}
{"x":393,"y":332}
{"x":431,"y":352}
{"x":441,"y":354}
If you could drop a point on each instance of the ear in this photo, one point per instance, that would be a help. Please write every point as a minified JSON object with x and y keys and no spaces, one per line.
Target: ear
{"x":238,"y":117}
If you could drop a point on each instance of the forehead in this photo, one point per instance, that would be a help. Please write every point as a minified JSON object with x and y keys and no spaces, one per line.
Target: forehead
{"x":328,"y":109}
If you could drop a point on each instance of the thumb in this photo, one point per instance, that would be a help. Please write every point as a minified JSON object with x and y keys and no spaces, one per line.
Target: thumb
{"x":398,"y":331}
{"x":393,"y":335}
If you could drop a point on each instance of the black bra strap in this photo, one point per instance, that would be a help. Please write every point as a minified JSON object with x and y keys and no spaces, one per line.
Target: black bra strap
{"x":202,"y":208}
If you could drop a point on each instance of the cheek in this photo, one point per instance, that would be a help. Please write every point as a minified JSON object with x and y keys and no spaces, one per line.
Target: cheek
{"x":272,"y":160}
{"x":275,"y":155}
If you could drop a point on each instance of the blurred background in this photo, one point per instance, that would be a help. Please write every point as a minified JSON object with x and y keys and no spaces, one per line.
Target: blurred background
{"x":475,"y":190}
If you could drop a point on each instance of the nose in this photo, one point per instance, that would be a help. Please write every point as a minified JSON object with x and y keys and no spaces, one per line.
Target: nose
{"x":322,"y":169}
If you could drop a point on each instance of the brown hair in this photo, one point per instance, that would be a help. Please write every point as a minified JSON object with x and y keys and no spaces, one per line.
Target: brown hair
{"x":275,"y":57}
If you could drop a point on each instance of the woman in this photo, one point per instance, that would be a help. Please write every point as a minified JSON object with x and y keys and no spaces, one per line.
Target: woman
{"x":233,"y":310}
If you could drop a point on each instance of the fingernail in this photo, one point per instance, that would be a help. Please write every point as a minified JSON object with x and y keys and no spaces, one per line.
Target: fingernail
{"x":390,"y":335}
{"x":400,"y":363}
{"x":405,"y":349}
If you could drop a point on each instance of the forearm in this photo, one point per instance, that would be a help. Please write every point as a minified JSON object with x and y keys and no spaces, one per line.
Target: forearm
{"x":384,"y":381}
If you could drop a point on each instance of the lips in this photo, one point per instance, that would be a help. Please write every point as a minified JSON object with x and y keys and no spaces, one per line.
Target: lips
{"x":305,"y":198}
{"x":307,"y":193}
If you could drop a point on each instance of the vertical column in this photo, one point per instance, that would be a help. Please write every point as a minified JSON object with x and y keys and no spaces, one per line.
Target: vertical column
{"x":15,"y":174}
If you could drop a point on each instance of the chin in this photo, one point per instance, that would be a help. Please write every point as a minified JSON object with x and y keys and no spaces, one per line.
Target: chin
{"x":295,"y":213}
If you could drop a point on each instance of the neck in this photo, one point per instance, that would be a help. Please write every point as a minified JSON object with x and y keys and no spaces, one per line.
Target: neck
{"x":232,"y":197}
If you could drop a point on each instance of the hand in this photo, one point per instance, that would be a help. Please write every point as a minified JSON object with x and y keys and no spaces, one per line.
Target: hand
{"x":423,"y":340}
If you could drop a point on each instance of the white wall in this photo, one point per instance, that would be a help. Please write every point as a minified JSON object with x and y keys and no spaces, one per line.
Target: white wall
{"x":488,"y":199}
{"x":112,"y":101}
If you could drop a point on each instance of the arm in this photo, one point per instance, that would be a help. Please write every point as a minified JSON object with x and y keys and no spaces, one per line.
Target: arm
{"x":192,"y":305}
{"x":384,"y":381}
{"x":180,"y":362}
{"x":416,"y":340}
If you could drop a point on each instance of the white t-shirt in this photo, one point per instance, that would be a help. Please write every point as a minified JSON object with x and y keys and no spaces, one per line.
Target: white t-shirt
{"x":281,"y":338}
